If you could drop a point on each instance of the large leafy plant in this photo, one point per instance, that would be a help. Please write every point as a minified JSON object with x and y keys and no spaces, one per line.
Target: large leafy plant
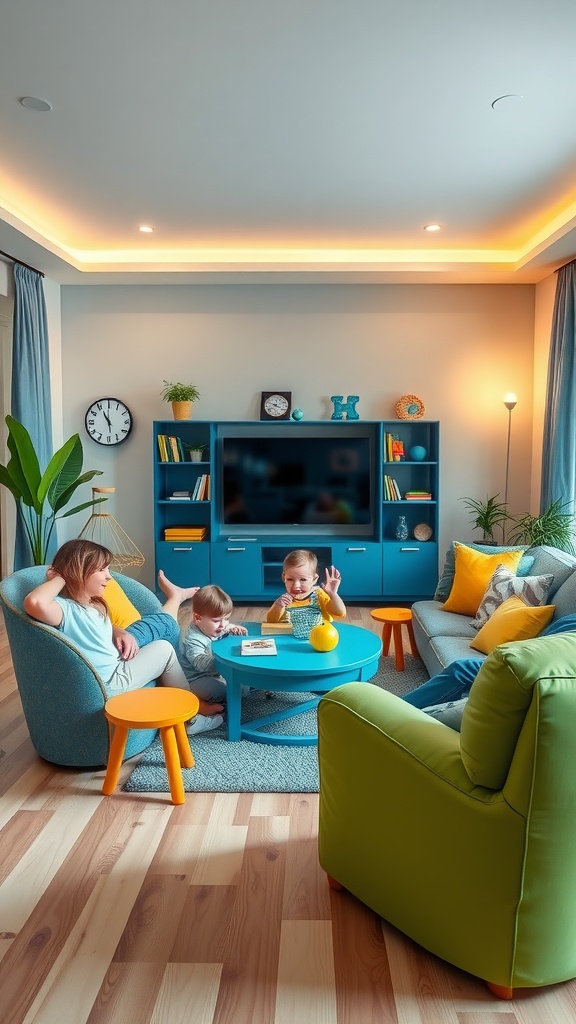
{"x":42,"y":497}
{"x":555,"y":526}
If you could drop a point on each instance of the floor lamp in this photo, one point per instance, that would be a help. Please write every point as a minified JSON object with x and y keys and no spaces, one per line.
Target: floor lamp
{"x":510,"y":401}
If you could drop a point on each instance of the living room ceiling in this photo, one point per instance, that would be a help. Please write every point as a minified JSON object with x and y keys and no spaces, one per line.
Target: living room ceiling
{"x":267,"y":140}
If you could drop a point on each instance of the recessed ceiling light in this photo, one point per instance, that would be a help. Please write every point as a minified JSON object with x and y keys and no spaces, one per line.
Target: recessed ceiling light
{"x":432,"y":227}
{"x":505,"y":99}
{"x":145,"y":229}
{"x":35,"y":103}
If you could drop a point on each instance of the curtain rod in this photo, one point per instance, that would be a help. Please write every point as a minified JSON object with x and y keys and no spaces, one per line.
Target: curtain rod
{"x":20,"y":262}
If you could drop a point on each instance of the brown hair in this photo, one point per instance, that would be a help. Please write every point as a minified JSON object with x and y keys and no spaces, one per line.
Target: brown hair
{"x":78,"y":559}
{"x":299,"y":557}
{"x":212,"y":600}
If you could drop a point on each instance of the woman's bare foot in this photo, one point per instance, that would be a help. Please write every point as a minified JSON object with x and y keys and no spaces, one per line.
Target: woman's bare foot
{"x":173,"y":592}
{"x":208,"y":709}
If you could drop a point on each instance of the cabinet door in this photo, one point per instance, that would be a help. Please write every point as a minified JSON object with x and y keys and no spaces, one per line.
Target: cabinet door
{"x":185,"y":564}
{"x":410,"y":569}
{"x":361,"y":567}
{"x":237,"y":568}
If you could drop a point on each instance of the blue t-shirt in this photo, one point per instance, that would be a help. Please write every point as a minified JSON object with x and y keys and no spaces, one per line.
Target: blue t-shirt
{"x":92,"y":634}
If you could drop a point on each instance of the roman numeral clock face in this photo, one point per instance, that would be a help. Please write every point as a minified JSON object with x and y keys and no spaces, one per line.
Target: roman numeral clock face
{"x":108,"y":421}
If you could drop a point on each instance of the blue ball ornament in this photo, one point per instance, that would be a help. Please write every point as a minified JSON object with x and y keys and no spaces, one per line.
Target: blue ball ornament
{"x":418,"y":453}
{"x":297,"y":414}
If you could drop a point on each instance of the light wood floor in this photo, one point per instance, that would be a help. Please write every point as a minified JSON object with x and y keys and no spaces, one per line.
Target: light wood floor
{"x":127,"y":910}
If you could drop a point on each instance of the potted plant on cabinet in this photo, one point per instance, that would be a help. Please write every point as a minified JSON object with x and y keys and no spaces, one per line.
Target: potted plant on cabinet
{"x":194,"y":451}
{"x":181,"y":396}
{"x":487,"y":515}
{"x":42,"y":497}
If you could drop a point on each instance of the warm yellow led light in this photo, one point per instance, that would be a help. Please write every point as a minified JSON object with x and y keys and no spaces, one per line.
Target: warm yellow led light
{"x":432,"y":227}
{"x":146,"y":229}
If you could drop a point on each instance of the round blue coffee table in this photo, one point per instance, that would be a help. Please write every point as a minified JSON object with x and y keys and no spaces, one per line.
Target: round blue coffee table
{"x":296,"y":668}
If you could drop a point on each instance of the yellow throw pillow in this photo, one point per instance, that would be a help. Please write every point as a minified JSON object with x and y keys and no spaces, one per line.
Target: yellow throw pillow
{"x":472,"y":575}
{"x":513,"y":620}
{"x":121,"y":610}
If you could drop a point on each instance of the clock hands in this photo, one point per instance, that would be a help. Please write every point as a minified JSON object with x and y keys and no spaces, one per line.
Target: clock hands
{"x":107,"y":418}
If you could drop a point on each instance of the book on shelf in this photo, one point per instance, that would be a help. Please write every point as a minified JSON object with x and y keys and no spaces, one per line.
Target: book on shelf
{"x":180,"y":496}
{"x":391,"y":489}
{"x":418,"y":496}
{"x":394,"y":448}
{"x":276,"y":628}
{"x":184,"y":532}
{"x":266,"y":645}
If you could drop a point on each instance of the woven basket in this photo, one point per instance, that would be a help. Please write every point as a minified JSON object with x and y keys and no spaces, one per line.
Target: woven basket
{"x":303,"y":620}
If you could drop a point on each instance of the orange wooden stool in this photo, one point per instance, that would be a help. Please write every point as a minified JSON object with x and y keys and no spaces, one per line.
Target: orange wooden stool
{"x":394,"y":619}
{"x":165,"y":708}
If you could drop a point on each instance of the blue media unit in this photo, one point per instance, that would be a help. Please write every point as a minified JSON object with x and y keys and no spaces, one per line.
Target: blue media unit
{"x":266,"y":488}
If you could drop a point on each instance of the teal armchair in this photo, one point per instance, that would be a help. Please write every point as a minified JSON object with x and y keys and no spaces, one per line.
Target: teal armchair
{"x":62,"y":696}
{"x":466,"y":842}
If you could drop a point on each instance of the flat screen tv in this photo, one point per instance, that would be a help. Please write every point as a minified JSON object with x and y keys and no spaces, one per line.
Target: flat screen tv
{"x":282,"y":483}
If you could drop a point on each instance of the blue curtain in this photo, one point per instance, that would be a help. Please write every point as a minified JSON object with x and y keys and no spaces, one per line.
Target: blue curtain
{"x":30,"y":400}
{"x":559,"y":443}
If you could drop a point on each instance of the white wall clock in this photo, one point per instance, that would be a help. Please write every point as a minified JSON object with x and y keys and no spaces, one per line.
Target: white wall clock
{"x":108,"y":421}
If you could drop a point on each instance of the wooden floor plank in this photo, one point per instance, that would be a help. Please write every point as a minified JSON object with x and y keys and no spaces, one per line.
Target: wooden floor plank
{"x":306,"y":990}
{"x":187,"y":995}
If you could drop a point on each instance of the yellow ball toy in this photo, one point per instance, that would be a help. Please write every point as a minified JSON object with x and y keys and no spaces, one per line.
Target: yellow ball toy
{"x":324,"y":637}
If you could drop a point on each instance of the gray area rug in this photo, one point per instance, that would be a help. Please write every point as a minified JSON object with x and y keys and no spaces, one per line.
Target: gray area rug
{"x":246,"y":767}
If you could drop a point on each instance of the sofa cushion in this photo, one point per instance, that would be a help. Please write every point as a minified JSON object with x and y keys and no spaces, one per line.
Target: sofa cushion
{"x":472,"y":575}
{"x":513,"y":620}
{"x":446,"y":649}
{"x":499,"y":699}
{"x":450,"y":713}
{"x":447,"y":576}
{"x":565,"y":597}
{"x":434,"y":621}
{"x":533,"y":590}
{"x":560,"y":563}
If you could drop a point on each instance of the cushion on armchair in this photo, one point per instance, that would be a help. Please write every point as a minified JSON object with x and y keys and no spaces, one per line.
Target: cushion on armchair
{"x":499,"y":698}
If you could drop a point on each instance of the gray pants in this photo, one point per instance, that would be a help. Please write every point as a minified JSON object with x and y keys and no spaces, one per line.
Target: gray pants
{"x":155,"y":661}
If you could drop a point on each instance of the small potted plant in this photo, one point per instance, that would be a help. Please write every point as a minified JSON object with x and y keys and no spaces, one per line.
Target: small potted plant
{"x":181,"y":396}
{"x":487,"y":515}
{"x":194,"y":451}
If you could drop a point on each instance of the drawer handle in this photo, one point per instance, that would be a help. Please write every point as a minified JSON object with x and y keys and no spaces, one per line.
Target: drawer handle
{"x":409,"y":549}
{"x":355,"y":549}
{"x":235,"y":549}
{"x":181,"y":549}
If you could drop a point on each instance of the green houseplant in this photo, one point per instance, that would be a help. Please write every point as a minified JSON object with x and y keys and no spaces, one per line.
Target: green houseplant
{"x":487,"y":515}
{"x":42,"y":497}
{"x":555,"y":526}
{"x":181,"y":396}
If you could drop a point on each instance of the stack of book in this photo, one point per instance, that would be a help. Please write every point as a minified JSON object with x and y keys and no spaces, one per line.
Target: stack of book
{"x":418,"y":496}
{"x":180,"y":496}
{"x":391,"y":489}
{"x":394,"y":448}
{"x":170,"y":448}
{"x":185,"y":533}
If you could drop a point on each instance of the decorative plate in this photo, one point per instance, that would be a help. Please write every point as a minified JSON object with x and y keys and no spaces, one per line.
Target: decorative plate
{"x":422,"y":531}
{"x":410,"y":407}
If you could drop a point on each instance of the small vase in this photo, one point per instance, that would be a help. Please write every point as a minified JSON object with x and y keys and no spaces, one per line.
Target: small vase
{"x":195,"y":456}
{"x":182,"y":410}
{"x":402,"y":528}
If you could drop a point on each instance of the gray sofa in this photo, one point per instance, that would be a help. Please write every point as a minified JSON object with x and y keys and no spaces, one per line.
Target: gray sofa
{"x":443,"y":637}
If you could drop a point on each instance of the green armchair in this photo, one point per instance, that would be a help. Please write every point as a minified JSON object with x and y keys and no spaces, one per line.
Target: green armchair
{"x":466,"y":842}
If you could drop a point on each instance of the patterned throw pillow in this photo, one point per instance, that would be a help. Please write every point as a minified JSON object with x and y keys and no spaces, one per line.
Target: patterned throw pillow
{"x":533,"y":590}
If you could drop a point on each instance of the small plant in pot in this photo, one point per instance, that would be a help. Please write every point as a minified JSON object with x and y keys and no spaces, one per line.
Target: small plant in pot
{"x":181,"y":396}
{"x":555,"y":527}
{"x":195,"y":452}
{"x":487,"y":516}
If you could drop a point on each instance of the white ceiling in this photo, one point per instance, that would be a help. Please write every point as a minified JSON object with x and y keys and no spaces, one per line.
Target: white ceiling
{"x":289,"y":139}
